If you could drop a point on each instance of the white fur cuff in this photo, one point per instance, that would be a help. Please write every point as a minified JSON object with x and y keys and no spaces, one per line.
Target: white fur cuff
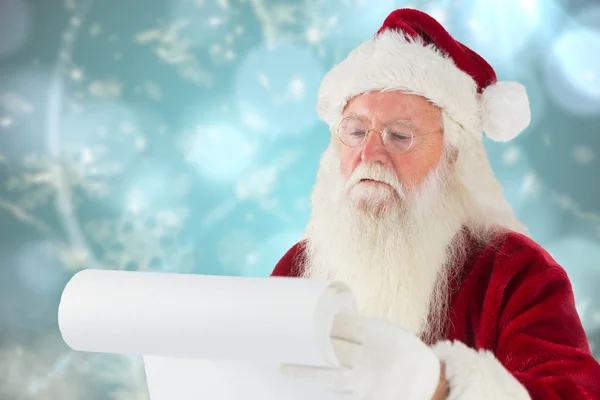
{"x":477,"y":375}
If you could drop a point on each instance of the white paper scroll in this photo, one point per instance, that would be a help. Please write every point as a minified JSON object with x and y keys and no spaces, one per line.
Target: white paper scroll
{"x":206,"y":337}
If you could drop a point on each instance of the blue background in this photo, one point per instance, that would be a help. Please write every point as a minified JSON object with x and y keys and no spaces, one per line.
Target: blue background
{"x":182,"y":136}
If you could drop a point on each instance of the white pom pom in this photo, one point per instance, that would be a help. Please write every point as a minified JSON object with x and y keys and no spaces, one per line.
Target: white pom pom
{"x":506,"y":111}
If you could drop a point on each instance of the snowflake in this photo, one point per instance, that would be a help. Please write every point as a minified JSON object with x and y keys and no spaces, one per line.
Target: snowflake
{"x":583,"y":154}
{"x":531,"y":186}
{"x":277,"y":18}
{"x":258,"y":184}
{"x":16,"y":104}
{"x":174,"y":50}
{"x":109,"y":88}
{"x":151,"y":89}
{"x":32,"y":183}
{"x":35,"y":181}
{"x":40,"y":370}
{"x":144,"y":240}
{"x":568,"y":204}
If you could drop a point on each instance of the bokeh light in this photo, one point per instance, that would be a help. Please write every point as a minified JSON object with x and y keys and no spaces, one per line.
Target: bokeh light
{"x":573,"y":69}
{"x":148,"y":187}
{"x":220,"y":153}
{"x":40,"y":267}
{"x":16,"y":23}
{"x":23,"y":109}
{"x":107,"y":129}
{"x":276,"y":88}
{"x":500,"y":30}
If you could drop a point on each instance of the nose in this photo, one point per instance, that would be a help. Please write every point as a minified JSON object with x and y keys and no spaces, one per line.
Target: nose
{"x":374,"y":150}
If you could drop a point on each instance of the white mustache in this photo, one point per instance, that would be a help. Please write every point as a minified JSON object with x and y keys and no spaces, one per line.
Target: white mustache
{"x":375,"y":172}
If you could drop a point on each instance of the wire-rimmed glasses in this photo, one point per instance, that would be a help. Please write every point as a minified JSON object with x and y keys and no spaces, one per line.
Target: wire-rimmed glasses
{"x":398,"y":136}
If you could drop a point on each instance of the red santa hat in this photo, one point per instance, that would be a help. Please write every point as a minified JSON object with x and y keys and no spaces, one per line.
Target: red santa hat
{"x":412,"y":52}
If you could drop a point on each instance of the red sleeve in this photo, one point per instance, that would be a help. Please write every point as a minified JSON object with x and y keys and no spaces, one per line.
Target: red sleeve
{"x":541,"y":340}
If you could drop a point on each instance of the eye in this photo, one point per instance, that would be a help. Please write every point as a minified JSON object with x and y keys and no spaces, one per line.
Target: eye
{"x":356,"y":132}
{"x":398,"y":136}
{"x":398,"y":132}
{"x":352,"y":127}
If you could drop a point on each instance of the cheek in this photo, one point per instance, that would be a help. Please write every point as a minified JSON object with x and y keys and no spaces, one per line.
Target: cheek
{"x":412,"y":168}
{"x":348,"y":162}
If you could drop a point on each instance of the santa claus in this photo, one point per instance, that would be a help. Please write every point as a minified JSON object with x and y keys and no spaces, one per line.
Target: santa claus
{"x":408,"y":213}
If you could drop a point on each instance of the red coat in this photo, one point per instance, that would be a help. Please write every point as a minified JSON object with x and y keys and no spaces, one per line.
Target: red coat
{"x":514,"y":300}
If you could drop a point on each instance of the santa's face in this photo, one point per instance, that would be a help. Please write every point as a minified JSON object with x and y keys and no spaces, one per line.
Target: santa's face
{"x":412,"y":148}
{"x":383,"y":223}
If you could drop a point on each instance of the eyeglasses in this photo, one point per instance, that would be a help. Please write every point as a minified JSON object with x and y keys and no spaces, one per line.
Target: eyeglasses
{"x":398,"y":137}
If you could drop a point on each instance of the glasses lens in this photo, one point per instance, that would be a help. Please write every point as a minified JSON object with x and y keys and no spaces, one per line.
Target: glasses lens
{"x":352,"y":131}
{"x":398,"y":137}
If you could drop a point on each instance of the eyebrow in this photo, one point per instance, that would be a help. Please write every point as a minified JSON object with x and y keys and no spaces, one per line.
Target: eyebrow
{"x":363,"y":118}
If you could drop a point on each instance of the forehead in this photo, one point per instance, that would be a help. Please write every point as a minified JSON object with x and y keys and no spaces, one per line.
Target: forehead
{"x":390,"y":105}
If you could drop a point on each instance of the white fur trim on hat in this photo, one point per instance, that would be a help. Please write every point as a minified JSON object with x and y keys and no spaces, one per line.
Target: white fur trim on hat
{"x":476,"y":375}
{"x":393,"y":61}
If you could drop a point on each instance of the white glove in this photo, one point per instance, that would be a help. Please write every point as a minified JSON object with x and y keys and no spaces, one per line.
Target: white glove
{"x":381,"y":361}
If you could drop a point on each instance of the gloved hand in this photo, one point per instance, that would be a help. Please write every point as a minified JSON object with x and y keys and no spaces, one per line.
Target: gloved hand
{"x":381,"y":361}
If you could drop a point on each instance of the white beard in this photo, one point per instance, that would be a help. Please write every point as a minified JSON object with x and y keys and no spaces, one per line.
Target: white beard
{"x":394,"y":250}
